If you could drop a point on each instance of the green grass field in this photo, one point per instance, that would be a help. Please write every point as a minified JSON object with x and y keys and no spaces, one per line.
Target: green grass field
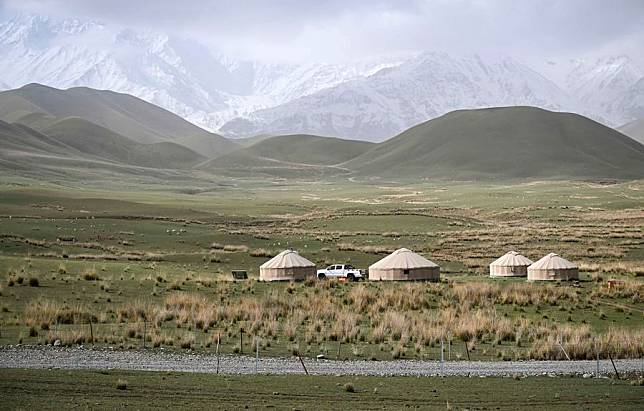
{"x":122,"y":257}
{"x":59,"y":389}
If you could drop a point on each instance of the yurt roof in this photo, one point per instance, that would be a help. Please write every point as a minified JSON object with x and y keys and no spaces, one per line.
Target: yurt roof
{"x":287,"y":259}
{"x":511,"y":259}
{"x":552,"y":261}
{"x":402,"y":259}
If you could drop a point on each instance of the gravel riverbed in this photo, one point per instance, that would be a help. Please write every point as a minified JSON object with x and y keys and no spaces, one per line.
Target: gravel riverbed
{"x":45,"y":357}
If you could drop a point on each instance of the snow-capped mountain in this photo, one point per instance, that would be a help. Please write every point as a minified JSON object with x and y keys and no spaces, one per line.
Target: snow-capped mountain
{"x":180,"y":75}
{"x":372,"y":99}
{"x":393,"y":99}
{"x":604,"y":86}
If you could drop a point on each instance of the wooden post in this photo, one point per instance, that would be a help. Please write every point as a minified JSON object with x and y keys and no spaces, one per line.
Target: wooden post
{"x":467,"y":350}
{"x":145,"y":329}
{"x":597,"y":371}
{"x":449,"y":346}
{"x":564,"y":351}
{"x":613,"y":362}
{"x":339,"y":345}
{"x":241,"y":340}
{"x":302,"y":362}
{"x":442,"y":356}
{"x":217,"y":352}
{"x":256,"y":353}
{"x":91,"y":330}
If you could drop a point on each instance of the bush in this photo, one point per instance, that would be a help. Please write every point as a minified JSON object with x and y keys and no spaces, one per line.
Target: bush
{"x":121,"y":384}
{"x":33,"y":282}
{"x":90,"y":275}
{"x":348,"y":387}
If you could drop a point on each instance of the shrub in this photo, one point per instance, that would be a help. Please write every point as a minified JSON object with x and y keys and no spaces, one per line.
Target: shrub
{"x":261,"y":252}
{"x":90,"y":274}
{"x":121,"y":384}
{"x":233,"y":248}
{"x":348,"y":387}
{"x":33,"y":282}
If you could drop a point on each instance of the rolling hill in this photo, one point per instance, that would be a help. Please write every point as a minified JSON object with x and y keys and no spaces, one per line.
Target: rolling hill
{"x":89,"y":138}
{"x":505,"y":142}
{"x":634,"y":130}
{"x":289,"y":156}
{"x":308,"y":149}
{"x":72,"y":139}
{"x":123,"y":114}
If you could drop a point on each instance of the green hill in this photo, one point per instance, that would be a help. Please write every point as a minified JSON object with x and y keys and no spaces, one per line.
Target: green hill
{"x":308,"y":149}
{"x":289,"y":156}
{"x":18,"y":138}
{"x":505,"y":142}
{"x":124,"y":114}
{"x":634,"y":130}
{"x":241,"y":163}
{"x":77,"y":141}
{"x":89,"y":138}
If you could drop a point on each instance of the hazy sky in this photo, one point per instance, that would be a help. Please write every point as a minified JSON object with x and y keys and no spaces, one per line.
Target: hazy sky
{"x":336,"y":30}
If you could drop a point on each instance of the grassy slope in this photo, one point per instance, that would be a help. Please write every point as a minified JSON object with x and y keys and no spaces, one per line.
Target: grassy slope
{"x":634,"y":130}
{"x":288,"y":156}
{"x":510,"y":142}
{"x":98,"y":141}
{"x":122,"y":113}
{"x":59,"y":389}
{"x":308,"y":149}
{"x":21,"y":138}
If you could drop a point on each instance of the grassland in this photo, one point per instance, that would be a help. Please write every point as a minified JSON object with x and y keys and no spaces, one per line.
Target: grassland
{"x":156,"y":261}
{"x":58,"y":389}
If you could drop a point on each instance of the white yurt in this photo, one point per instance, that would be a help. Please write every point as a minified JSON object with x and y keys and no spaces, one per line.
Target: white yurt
{"x":511,"y":264}
{"x":404,"y":264}
{"x":287,"y":265}
{"x":553,"y":267}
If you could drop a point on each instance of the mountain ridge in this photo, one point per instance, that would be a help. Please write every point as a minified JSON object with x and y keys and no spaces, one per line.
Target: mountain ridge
{"x":343,"y":100}
{"x":124,"y":114}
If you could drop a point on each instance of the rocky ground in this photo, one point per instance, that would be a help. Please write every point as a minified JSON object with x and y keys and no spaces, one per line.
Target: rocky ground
{"x":160,"y":360}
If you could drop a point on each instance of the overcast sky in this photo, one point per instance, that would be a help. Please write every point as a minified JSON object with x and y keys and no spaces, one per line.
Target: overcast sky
{"x":337,"y":30}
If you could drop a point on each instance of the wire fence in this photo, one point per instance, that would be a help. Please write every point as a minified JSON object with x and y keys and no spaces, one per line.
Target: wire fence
{"x":237,"y":340}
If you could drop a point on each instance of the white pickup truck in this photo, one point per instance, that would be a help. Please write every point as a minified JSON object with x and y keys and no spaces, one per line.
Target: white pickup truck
{"x":341,"y":271}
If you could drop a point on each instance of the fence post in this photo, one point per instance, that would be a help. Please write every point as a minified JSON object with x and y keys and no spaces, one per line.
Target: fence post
{"x":91,"y":330}
{"x":562,"y":348}
{"x":256,"y":353}
{"x":145,"y":329}
{"x":241,"y":340}
{"x":442,"y":357}
{"x":467,"y":350}
{"x":217,"y":351}
{"x":449,"y":346}
{"x":302,"y":362}
{"x":339,"y":345}
{"x":613,"y":362}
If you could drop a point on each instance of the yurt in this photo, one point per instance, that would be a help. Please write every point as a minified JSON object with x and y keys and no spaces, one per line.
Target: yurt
{"x":287,"y":265}
{"x":552,"y":267}
{"x":511,"y":264}
{"x":404,"y":264}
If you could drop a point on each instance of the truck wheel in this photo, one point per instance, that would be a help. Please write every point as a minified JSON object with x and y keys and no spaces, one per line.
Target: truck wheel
{"x":321,"y":276}
{"x":351,"y":277}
